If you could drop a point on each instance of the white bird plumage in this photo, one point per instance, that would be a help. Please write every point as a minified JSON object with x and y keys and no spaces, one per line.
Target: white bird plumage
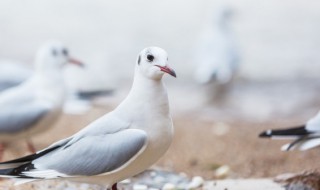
{"x":35,"y":105}
{"x":118,"y":145}
{"x":216,"y":56}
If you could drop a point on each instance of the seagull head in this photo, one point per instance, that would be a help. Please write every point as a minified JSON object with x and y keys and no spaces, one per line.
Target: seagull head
{"x":53,"y":56}
{"x":153,"y":63}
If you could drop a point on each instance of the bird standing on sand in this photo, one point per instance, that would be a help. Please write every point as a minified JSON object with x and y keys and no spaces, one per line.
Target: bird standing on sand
{"x":36,"y":104}
{"x":118,"y":145}
{"x":305,"y":137}
{"x":217,"y":56}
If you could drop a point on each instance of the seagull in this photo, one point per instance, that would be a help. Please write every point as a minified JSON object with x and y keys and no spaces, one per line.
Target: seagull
{"x":120,"y":144}
{"x":34,"y":105}
{"x":216,"y":56}
{"x":79,"y":99}
{"x":7,"y":80}
{"x":305,"y":137}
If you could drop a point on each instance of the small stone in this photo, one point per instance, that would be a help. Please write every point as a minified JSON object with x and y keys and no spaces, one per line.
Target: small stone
{"x":222,"y":171}
{"x":196,"y":182}
{"x":153,"y":174}
{"x":183,"y":175}
{"x":84,"y":186}
{"x":140,"y":187}
{"x":168,"y":186}
{"x":220,"y":129}
{"x":126,"y":181}
{"x":153,"y":188}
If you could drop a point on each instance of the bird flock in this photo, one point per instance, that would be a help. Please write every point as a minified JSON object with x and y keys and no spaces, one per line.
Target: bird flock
{"x":123,"y":142}
{"x":120,"y":144}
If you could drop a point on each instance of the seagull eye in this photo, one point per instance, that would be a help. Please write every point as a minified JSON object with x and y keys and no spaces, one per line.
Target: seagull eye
{"x":150,"y":58}
{"x":65,"y":52}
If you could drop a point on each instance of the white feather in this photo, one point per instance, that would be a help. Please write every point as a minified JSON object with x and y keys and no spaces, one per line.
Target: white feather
{"x":302,"y":145}
{"x":285,"y":147}
{"x":312,"y":143}
{"x":47,"y":174}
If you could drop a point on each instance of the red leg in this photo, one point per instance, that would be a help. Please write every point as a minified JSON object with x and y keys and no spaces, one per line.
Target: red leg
{"x":114,"y":187}
{"x":2,"y":148}
{"x":31,"y":147}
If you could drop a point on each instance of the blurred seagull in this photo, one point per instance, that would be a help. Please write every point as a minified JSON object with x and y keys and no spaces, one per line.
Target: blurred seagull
{"x":217,"y":56}
{"x":305,"y":137}
{"x":83,"y":86}
{"x":86,"y":87}
{"x":35,"y":105}
{"x":118,"y":145}
{"x":7,"y":79}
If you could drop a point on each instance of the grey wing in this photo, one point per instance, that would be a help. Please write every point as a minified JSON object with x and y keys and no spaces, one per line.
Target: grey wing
{"x":7,"y":80}
{"x":92,"y":155}
{"x":15,"y":117}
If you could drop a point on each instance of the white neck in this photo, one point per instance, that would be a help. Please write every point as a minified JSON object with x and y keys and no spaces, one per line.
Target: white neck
{"x":146,"y":95}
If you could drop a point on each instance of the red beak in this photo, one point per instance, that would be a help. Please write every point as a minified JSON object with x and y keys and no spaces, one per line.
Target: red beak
{"x":168,"y":70}
{"x":76,"y":62}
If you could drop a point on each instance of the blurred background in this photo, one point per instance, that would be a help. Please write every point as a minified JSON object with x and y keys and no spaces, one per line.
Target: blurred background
{"x":275,"y":83}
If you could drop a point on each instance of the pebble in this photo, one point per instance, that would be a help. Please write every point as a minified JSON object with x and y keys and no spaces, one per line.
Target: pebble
{"x":220,"y":129}
{"x":196,"y":182}
{"x":222,"y":171}
{"x":126,"y":181}
{"x":153,"y":189}
{"x":168,"y":186}
{"x":140,"y":187}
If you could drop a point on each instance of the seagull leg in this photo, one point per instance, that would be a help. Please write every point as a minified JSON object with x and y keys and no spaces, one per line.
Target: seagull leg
{"x":114,"y":187}
{"x":31,"y":147}
{"x":2,"y":148}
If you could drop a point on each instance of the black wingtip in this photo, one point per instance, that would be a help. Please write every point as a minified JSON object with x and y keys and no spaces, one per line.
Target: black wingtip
{"x":265,"y":134}
{"x":17,"y":172}
{"x":294,"y":131}
{"x":30,"y":157}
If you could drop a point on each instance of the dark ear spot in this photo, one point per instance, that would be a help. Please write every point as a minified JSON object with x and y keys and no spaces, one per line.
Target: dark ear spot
{"x":139,"y":59}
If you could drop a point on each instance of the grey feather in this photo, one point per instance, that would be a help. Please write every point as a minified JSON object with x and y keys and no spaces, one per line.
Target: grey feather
{"x":8,"y":84}
{"x":94,"y":155}
{"x":21,"y":115}
{"x":98,"y":127}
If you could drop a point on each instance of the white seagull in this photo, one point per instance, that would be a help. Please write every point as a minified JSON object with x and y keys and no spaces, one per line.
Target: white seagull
{"x":216,"y":55}
{"x":35,"y":105}
{"x":305,"y":137}
{"x":118,"y":145}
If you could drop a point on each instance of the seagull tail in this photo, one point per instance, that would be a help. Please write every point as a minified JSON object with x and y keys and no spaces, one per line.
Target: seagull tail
{"x":26,"y":159}
{"x":6,"y":173}
{"x":285,"y":133}
{"x":16,"y":172}
{"x":17,"y":168}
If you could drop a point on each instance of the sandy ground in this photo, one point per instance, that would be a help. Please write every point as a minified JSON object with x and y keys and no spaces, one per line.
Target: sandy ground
{"x":199,"y":150}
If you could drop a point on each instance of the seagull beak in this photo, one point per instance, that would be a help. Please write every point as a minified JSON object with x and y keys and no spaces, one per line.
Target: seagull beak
{"x":168,"y":70}
{"x":75,"y":62}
